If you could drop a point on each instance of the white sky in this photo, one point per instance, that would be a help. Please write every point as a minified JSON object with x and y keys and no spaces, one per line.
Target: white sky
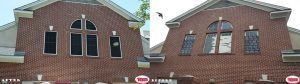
{"x":173,"y":8}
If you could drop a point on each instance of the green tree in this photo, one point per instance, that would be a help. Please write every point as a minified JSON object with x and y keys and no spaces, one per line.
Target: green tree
{"x":143,"y":11}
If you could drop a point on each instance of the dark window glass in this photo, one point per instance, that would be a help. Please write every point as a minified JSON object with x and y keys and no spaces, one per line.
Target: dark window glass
{"x":187,"y":44}
{"x":92,"y":49}
{"x":90,"y":25}
{"x":76,"y":24}
{"x":252,"y":42}
{"x":210,"y":43}
{"x":213,"y":26}
{"x":115,"y":47}
{"x":76,"y":44}
{"x":50,"y":42}
{"x":226,"y":25}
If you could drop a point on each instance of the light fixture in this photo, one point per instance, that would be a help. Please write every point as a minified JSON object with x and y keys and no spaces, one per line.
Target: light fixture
{"x":126,"y":79}
{"x":220,"y":18}
{"x":82,"y":16}
{"x":251,"y":27}
{"x":212,"y":81}
{"x":171,"y":74}
{"x":39,"y":77}
{"x":114,"y":33}
{"x":191,"y":32}
{"x":51,"y":28}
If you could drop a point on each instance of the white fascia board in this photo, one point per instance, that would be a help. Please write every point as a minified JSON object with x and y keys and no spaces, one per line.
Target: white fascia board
{"x":280,"y":14}
{"x":21,"y":13}
{"x":173,"y":24}
{"x":129,"y":16}
{"x":132,"y":24}
{"x":12,"y":59}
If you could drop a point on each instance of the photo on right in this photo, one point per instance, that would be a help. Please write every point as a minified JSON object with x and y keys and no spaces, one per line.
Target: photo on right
{"x":225,"y":41}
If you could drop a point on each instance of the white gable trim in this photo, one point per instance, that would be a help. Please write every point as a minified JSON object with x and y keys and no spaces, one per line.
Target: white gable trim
{"x":41,"y":3}
{"x":251,"y":3}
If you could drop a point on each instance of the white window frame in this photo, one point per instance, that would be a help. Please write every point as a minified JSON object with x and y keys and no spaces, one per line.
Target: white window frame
{"x":92,"y":23}
{"x":45,"y":43}
{"x":120,"y":43}
{"x":97,"y":46}
{"x":71,"y":44}
{"x":80,"y":24}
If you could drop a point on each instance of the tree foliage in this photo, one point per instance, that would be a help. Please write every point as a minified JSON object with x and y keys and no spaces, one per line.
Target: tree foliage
{"x":143,"y":11}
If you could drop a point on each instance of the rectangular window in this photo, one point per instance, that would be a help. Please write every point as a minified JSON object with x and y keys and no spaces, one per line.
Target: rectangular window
{"x":50,"y":43}
{"x":115,"y":47}
{"x":187,"y":45}
{"x":92,"y":45}
{"x":251,"y":42}
{"x":76,"y":44}
{"x":210,"y":43}
{"x":225,"y":43}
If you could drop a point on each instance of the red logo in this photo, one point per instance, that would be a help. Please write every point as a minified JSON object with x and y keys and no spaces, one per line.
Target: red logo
{"x":292,"y":79}
{"x":142,"y":79}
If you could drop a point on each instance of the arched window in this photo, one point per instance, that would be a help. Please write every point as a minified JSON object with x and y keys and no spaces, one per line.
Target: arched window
{"x":77,"y":38}
{"x":218,"y":39}
{"x":89,"y":25}
{"x":76,"y":24}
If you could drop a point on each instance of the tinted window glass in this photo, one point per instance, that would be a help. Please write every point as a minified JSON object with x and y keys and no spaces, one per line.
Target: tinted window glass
{"x":92,"y":48}
{"x":226,"y":25}
{"x":187,"y":44}
{"x":252,"y":42}
{"x":210,"y":43}
{"x":50,"y":42}
{"x":90,"y":25}
{"x":76,"y":24}
{"x":76,"y":44}
{"x":213,"y":26}
{"x":225,"y":43}
{"x":115,"y":47}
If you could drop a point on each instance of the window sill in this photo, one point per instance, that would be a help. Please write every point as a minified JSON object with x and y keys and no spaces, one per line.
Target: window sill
{"x":184,"y":54}
{"x":252,"y":53}
{"x":205,"y":54}
{"x":116,"y":58}
{"x":93,"y":56}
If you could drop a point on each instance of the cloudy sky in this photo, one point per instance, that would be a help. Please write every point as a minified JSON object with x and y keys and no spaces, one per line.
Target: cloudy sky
{"x":173,"y":8}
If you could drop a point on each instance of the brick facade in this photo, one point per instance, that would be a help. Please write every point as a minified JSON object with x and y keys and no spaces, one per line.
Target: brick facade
{"x":63,"y":67}
{"x":236,"y":67}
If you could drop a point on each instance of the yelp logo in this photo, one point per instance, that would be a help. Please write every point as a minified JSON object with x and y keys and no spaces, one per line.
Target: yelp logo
{"x":292,"y":79}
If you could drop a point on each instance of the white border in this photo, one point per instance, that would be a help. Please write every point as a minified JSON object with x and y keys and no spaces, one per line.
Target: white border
{"x":97,"y":46}
{"x":120,"y":47}
{"x":80,"y":24}
{"x":45,"y":43}
{"x":92,"y":23}
{"x":71,"y":44}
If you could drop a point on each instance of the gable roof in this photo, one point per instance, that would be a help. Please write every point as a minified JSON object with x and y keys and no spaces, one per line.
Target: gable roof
{"x":275,"y":10}
{"x":41,"y":3}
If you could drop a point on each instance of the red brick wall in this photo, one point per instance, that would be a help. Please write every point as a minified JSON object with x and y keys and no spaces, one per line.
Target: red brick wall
{"x":235,"y":67}
{"x":64,"y":67}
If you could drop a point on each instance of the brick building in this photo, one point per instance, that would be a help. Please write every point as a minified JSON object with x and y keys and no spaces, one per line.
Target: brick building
{"x":228,"y":42}
{"x":79,"y":41}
